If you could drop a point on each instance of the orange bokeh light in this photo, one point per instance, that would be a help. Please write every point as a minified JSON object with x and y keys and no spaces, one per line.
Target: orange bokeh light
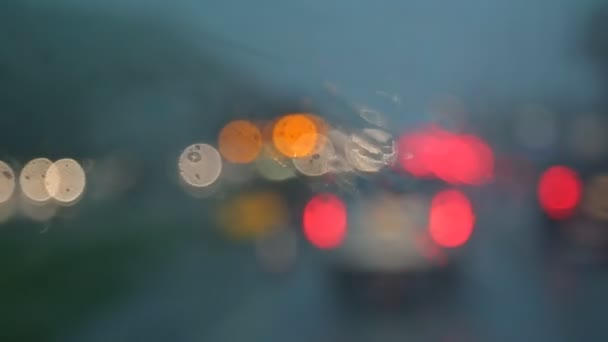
{"x":322,"y":126}
{"x":295,"y":135}
{"x":240,"y":142}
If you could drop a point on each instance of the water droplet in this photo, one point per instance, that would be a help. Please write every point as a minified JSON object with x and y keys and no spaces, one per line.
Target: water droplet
{"x":194,"y":157}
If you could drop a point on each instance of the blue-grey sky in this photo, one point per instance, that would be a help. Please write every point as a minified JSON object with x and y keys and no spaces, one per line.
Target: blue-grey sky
{"x":506,"y":50}
{"x":515,"y":47}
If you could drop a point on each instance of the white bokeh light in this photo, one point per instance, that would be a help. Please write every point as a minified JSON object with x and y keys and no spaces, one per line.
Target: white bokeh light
{"x":339,"y":164}
{"x":387,"y":234}
{"x":318,"y":163}
{"x":65,"y":181}
{"x":370,"y":150}
{"x":7,"y":182}
{"x":273,"y":170}
{"x":200,"y":165}
{"x":32,"y":180}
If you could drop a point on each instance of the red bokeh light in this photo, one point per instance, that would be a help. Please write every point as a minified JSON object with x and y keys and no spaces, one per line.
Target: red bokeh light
{"x":478,"y":166}
{"x":451,"y":219}
{"x":412,"y":156}
{"x":453,"y":158}
{"x":325,"y":221}
{"x":456,"y":161}
{"x":559,"y":192}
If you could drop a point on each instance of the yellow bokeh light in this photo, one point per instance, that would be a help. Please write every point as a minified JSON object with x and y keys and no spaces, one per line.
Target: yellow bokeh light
{"x":595,"y":202}
{"x":252,"y":214}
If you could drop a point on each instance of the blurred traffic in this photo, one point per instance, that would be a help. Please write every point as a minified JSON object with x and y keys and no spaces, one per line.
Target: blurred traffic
{"x":196,"y":196}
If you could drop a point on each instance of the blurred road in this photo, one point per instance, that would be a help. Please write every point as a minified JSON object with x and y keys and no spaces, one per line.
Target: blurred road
{"x":170,"y":277}
{"x":508,"y":291}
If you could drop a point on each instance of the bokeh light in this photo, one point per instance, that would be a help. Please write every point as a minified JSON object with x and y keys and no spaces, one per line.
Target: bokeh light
{"x":323,"y":127}
{"x":240,"y":142}
{"x":455,"y":161}
{"x":65,"y":181}
{"x":369,"y":150}
{"x":559,"y":192}
{"x":339,"y":139}
{"x":412,"y":153}
{"x":451,"y":219}
{"x":273,"y":169}
{"x":372,"y":116}
{"x":385,"y":231}
{"x":295,"y":135}
{"x":325,"y":221}
{"x":253,"y":214}
{"x":318,"y":162}
{"x":595,"y":199}
{"x":199,"y":165}
{"x":466,"y":160}
{"x":453,"y":158}
{"x":338,"y":164}
{"x":7,"y":182}
{"x":32,"y":180}
{"x":385,"y":142}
